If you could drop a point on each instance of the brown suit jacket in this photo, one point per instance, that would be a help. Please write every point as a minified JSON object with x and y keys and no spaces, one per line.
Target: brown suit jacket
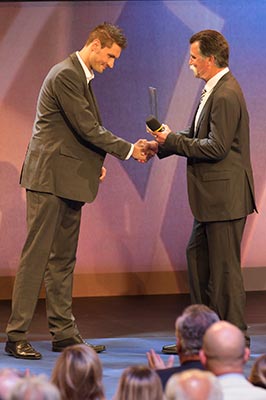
{"x":69,"y":144}
{"x":219,"y":173}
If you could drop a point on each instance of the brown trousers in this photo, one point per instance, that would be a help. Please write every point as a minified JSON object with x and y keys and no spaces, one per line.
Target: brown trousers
{"x":49,"y":255}
{"x":214,"y":268}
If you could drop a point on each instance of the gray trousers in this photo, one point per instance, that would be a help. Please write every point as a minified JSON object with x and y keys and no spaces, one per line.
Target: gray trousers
{"x":215,"y":278}
{"x":49,"y":255}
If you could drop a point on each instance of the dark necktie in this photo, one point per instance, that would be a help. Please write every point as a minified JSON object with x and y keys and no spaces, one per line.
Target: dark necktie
{"x":94,"y":103}
{"x":204,"y":91}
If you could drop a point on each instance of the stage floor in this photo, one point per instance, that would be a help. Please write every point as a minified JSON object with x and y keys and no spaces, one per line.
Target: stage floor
{"x":129,"y":326}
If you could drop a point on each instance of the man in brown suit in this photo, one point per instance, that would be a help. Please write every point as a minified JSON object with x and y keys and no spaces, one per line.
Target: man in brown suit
{"x":61,"y":171}
{"x":219,"y":178}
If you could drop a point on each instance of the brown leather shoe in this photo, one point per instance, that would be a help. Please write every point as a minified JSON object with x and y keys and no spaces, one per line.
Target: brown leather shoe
{"x":22,"y":349}
{"x":60,"y":345}
{"x":169,"y":349}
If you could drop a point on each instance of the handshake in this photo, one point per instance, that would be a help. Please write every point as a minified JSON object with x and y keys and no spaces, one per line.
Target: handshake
{"x":144,"y":150}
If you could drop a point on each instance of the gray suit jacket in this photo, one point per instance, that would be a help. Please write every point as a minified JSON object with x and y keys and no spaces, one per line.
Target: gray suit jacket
{"x":219,"y":174}
{"x":69,"y":144}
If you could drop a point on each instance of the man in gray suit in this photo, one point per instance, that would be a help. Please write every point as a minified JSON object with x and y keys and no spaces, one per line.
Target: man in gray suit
{"x":219,"y":178}
{"x":62,"y":171}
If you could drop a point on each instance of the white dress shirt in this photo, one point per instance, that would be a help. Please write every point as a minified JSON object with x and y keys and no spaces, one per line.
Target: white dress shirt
{"x":236,"y":387}
{"x":209,"y":88}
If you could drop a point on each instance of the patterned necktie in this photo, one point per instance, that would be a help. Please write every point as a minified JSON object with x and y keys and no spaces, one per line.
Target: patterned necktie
{"x":199,"y":108}
{"x":204,"y":91}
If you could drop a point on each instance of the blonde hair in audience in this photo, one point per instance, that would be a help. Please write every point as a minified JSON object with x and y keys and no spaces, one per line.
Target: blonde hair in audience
{"x":139,"y":383}
{"x":258,"y":372}
{"x":78,"y":374}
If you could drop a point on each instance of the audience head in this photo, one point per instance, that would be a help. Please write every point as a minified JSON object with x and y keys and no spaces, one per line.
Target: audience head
{"x":258,"y":372}
{"x":224,"y":349}
{"x":193,"y":384}
{"x":34,"y":388}
{"x":139,"y":382}
{"x":191,"y":327}
{"x":78,"y":374}
{"x":8,"y":379}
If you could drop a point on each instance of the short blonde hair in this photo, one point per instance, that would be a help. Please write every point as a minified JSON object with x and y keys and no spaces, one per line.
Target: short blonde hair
{"x":139,"y":382}
{"x":78,"y":374}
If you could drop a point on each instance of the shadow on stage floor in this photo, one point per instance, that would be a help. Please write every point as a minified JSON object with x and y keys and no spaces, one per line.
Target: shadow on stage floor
{"x":128,"y":326}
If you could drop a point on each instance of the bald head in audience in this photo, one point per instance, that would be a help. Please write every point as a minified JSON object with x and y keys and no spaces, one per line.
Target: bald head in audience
{"x":193,"y":385}
{"x":224,"y":349}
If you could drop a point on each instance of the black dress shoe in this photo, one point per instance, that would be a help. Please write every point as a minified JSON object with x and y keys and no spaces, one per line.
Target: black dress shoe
{"x":60,"y":345}
{"x":22,"y":349}
{"x":169,"y":349}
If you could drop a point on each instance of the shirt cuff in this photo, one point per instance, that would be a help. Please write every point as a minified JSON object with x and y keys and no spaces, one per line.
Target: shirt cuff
{"x":130,"y":152}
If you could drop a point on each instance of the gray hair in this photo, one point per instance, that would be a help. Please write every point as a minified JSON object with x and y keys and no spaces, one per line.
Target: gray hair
{"x":191,"y":327}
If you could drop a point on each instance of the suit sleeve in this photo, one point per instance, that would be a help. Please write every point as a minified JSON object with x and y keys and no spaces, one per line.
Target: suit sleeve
{"x":164,"y":152}
{"x":216,"y":134}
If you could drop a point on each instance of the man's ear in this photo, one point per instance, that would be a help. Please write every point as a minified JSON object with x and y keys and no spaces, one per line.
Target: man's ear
{"x":178,"y":342}
{"x":246,"y":354}
{"x":178,"y":346}
{"x":96,"y":44}
{"x":203,"y":358}
{"x":211,"y":60}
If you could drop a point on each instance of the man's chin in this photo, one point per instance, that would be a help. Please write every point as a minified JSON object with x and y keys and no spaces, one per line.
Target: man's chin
{"x":196,"y":75}
{"x":195,"y":71}
{"x":100,"y":70}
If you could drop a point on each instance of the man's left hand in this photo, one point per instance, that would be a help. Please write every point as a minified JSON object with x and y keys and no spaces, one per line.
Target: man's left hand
{"x":160,"y":137}
{"x":156,"y":362}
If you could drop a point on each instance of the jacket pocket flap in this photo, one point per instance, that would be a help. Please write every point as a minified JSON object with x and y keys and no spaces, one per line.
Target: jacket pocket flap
{"x":216,"y":176}
{"x":66,"y":151}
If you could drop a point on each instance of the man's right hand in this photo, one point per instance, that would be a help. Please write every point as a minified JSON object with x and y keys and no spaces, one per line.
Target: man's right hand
{"x":139,"y":150}
{"x":144,"y":150}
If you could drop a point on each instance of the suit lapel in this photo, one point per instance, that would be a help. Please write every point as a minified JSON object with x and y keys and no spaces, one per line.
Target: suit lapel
{"x":207,"y":104}
{"x":88,"y":92}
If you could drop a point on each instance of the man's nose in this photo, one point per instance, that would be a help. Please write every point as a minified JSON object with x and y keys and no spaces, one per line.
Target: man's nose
{"x":111,"y":63}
